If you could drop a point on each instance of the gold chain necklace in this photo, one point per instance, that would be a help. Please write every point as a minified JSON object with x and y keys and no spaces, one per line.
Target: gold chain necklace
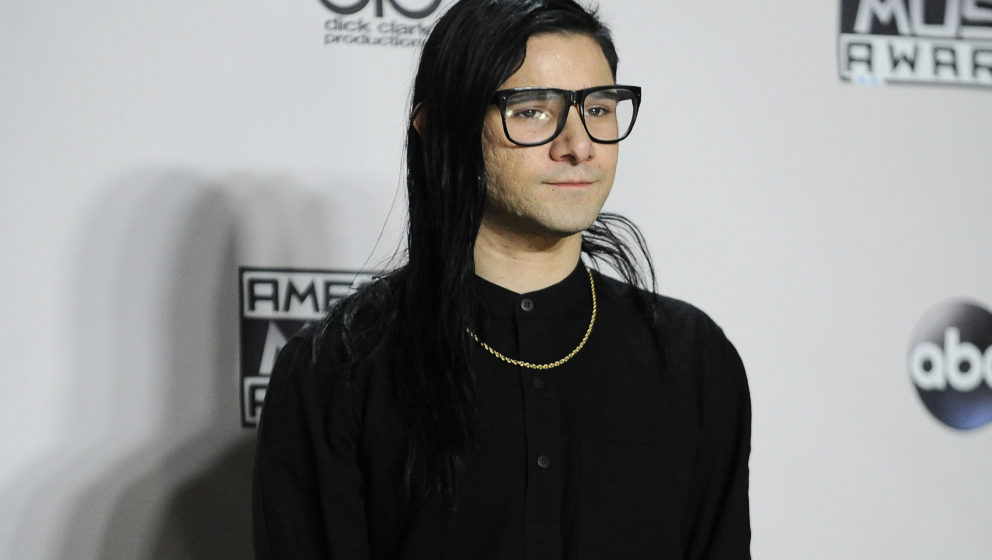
{"x":528,"y":365}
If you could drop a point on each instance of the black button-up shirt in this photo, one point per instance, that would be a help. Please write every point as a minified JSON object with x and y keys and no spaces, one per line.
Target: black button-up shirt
{"x":624,"y":452}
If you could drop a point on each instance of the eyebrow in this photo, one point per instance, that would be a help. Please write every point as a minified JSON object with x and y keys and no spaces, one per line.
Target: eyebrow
{"x":531,"y":95}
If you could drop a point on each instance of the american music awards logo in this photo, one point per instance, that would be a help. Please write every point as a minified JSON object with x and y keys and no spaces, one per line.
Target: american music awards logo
{"x":275,"y":304}
{"x":916,"y":41}
{"x":380,"y":23}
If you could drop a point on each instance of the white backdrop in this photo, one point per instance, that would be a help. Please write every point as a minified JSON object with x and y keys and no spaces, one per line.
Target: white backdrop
{"x":149,"y":149}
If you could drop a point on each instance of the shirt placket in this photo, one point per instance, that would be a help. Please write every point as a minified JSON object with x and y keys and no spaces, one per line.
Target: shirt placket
{"x":542,"y":422}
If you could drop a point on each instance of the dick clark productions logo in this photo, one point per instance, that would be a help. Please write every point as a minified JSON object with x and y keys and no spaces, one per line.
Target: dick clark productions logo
{"x":950,"y":363}
{"x":401,"y":26}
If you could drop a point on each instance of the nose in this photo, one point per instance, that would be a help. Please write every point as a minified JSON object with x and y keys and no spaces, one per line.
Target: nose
{"x":573,"y":143}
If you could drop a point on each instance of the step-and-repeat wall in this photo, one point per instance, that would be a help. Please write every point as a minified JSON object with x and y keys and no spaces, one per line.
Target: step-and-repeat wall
{"x":186,"y":182}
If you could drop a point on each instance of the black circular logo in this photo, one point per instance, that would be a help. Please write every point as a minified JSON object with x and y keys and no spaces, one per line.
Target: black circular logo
{"x":950,"y":363}
{"x":419,"y":10}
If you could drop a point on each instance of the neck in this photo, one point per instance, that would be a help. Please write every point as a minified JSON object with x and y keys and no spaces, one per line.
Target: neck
{"x":524,"y":263}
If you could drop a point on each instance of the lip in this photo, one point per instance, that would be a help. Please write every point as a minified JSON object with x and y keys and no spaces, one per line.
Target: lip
{"x":571,"y":183}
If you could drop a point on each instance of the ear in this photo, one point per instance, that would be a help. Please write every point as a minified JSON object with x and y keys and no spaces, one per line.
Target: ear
{"x":419,"y":118}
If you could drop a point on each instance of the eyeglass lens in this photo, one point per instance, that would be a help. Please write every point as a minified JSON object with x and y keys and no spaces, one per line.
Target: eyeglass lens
{"x":534,"y":116}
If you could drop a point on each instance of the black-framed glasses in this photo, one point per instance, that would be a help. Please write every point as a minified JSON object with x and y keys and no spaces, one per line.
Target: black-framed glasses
{"x":536,"y":115}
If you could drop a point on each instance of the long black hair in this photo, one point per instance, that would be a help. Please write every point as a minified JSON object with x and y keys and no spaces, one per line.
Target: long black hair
{"x":423,"y":308}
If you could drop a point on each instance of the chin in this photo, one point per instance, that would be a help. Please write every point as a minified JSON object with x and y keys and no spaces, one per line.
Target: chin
{"x":566,"y":228}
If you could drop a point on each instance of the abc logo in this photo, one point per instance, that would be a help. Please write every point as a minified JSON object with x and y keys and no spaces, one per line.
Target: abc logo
{"x":414,"y":9}
{"x":950,"y":363}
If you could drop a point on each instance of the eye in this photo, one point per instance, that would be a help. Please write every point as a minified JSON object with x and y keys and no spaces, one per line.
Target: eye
{"x":531,"y":113}
{"x":534,"y":106}
{"x":600,"y":107}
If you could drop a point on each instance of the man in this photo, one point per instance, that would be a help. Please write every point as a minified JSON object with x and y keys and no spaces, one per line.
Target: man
{"x":494,"y":397}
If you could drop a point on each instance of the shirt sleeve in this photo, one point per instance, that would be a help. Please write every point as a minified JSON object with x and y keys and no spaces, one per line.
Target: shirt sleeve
{"x":722,"y":528}
{"x":307,"y":487}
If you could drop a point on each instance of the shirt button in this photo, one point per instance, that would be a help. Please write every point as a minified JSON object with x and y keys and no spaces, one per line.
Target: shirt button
{"x":527,"y":304}
{"x":543,"y":461}
{"x":538,"y":383}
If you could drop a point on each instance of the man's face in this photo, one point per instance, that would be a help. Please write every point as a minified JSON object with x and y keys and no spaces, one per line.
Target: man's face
{"x":556,"y":189}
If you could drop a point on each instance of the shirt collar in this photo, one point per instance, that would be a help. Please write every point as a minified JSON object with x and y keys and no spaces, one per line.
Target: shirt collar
{"x":571,"y":292}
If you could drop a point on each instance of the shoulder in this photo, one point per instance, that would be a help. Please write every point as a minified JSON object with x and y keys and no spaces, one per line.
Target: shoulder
{"x":313,"y":385}
{"x":699,"y":351}
{"x":686,"y":321}
{"x":355,"y":326}
{"x":295,"y":357}
{"x":668,"y":313}
{"x":331,"y":351}
{"x":692,"y":340}
{"x":294,"y":374}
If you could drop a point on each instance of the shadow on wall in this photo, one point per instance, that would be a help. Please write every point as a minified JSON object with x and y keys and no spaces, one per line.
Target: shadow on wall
{"x":153,"y":462}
